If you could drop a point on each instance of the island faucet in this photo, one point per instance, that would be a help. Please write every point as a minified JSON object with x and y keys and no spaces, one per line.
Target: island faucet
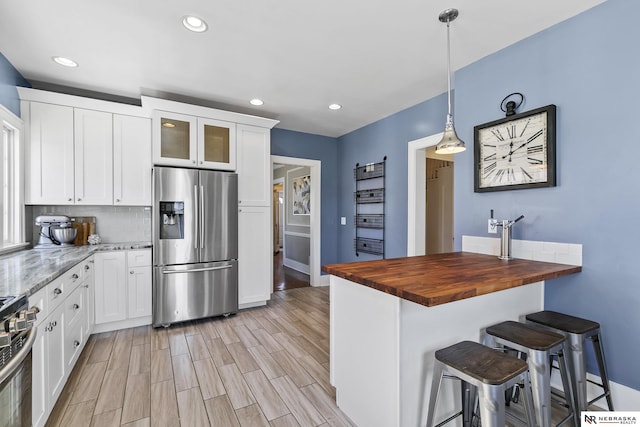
{"x":505,"y":239}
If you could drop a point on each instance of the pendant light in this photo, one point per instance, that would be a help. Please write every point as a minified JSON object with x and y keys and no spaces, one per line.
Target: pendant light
{"x":450,"y":143}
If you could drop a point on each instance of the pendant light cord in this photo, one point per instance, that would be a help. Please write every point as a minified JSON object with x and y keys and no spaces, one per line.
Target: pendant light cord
{"x":448,"y":70}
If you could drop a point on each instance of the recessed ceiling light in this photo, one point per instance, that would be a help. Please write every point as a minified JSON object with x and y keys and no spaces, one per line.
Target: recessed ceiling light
{"x":194,"y":24}
{"x":335,"y":106}
{"x":168,"y":125}
{"x":64,"y":61}
{"x":256,"y":101}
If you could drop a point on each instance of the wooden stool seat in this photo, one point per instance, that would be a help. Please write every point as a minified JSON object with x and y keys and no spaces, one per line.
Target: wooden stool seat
{"x":485,"y":374}
{"x":540,"y":346}
{"x":527,"y":336}
{"x":577,"y":331}
{"x":482,"y":363}
{"x":564,"y":322}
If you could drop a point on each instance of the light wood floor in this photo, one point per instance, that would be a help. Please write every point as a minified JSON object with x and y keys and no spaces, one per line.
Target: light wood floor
{"x":262,"y":367}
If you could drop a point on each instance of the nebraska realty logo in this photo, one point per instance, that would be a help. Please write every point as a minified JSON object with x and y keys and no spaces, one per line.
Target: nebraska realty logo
{"x":610,"y":418}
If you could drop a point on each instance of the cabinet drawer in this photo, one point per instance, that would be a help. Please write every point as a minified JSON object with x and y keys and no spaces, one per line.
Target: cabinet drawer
{"x":59,"y":289}
{"x":139,"y":258}
{"x":74,"y":307}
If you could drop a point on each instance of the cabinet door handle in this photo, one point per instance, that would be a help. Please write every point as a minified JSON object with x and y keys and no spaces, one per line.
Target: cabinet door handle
{"x":131,"y":272}
{"x":76,"y":344}
{"x":57,"y":291}
{"x":86,"y":267}
{"x":79,"y":199}
{"x":76,"y":306}
{"x":69,"y":200}
{"x":86,"y":286}
{"x":117,"y":200}
{"x":74,"y":276}
{"x":54,"y":324}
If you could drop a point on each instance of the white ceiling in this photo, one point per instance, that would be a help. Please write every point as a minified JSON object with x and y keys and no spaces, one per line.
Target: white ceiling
{"x":373,"y":57}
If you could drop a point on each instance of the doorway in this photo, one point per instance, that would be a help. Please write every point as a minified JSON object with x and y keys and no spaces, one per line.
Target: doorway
{"x":296,"y":225}
{"x":431,"y":233}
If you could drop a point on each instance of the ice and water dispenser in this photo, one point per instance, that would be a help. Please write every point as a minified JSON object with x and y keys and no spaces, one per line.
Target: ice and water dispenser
{"x":171,"y":220}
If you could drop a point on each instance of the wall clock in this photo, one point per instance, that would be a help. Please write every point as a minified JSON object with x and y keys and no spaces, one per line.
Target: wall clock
{"x":516,"y":152}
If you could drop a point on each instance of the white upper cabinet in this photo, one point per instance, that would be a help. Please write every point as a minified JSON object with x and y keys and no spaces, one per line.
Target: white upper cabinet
{"x":49,"y":153}
{"x":85,"y":151}
{"x":189,"y":141}
{"x":216,"y":144}
{"x":254,"y":166}
{"x":93,"y":148}
{"x":175,"y":139}
{"x":131,"y":161}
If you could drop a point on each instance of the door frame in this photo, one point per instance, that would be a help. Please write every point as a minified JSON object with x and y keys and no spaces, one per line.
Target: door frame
{"x":417,"y":193}
{"x":315,"y":168}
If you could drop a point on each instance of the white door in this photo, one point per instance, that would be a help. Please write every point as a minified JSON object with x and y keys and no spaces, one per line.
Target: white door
{"x":49,"y":155}
{"x":110,"y":287}
{"x":254,"y":166}
{"x":93,"y":148}
{"x":131,"y":161}
{"x":255,"y":276}
{"x":439,"y":227}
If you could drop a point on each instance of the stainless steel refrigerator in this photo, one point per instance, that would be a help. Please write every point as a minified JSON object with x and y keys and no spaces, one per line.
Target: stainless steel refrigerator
{"x":195,"y":249}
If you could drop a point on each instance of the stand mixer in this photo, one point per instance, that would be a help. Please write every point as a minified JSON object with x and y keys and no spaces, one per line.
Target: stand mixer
{"x":56,"y":231}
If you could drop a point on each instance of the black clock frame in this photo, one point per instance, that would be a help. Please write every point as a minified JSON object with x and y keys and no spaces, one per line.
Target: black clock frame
{"x":550,"y":110}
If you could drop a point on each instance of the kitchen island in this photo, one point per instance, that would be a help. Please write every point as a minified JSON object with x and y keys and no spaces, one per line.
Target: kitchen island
{"x":388,"y":317}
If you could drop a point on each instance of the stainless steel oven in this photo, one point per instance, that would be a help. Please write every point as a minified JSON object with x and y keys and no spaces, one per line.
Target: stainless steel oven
{"x":17,"y":336}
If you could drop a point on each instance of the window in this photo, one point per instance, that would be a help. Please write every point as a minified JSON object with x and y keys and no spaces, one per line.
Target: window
{"x":11,"y":202}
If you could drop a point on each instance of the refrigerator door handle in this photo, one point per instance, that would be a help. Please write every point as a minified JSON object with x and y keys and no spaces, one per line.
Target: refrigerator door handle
{"x":202,"y":216}
{"x":195,"y":270}
{"x":195,"y":214}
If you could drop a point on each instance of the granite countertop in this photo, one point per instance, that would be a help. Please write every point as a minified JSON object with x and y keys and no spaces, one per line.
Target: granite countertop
{"x":26,"y":272}
{"x":432,"y":280}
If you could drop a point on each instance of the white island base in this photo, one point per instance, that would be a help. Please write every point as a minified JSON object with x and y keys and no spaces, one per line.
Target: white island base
{"x":382,"y":348}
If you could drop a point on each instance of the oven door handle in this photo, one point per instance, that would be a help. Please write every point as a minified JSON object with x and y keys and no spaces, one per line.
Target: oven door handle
{"x":15,"y":362}
{"x":196,"y":270}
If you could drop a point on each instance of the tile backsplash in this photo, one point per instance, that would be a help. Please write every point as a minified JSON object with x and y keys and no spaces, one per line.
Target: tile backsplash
{"x":114,"y":224}
{"x":562,"y":253}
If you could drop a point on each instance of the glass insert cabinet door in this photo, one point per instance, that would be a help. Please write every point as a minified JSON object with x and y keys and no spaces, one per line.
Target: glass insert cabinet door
{"x":216,"y":144}
{"x":189,"y":141}
{"x":175,"y":139}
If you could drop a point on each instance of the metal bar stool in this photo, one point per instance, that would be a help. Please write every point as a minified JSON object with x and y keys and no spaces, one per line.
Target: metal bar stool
{"x":540,"y":346}
{"x":489,"y":372}
{"x":577,"y":331}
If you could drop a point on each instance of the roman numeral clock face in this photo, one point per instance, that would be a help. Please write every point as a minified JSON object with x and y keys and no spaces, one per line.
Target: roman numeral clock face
{"x":516,"y":152}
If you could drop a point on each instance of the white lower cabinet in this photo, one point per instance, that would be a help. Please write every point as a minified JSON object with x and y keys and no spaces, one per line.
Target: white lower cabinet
{"x":62,"y":324}
{"x":111,"y":287}
{"x":255,"y":276}
{"x":122,"y":289}
{"x":51,"y":366}
{"x":139,"y":283}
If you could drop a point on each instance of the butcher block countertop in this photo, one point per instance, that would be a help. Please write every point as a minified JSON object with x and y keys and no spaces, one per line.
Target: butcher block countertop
{"x":432,"y":280}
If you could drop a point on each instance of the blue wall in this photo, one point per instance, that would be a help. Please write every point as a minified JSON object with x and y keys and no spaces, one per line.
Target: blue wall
{"x":9,"y":79}
{"x":307,"y":146}
{"x":589,"y":68}
{"x":386,"y":137}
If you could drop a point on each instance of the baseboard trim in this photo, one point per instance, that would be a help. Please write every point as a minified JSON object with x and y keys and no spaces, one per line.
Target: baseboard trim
{"x":624,"y":398}
{"x":298,"y":266}
{"x":325,"y":279}
{"x":252,"y":304}
{"x":122,"y":324}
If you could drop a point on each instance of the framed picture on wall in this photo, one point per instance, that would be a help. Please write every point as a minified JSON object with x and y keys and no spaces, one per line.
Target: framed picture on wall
{"x":301,"y":195}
